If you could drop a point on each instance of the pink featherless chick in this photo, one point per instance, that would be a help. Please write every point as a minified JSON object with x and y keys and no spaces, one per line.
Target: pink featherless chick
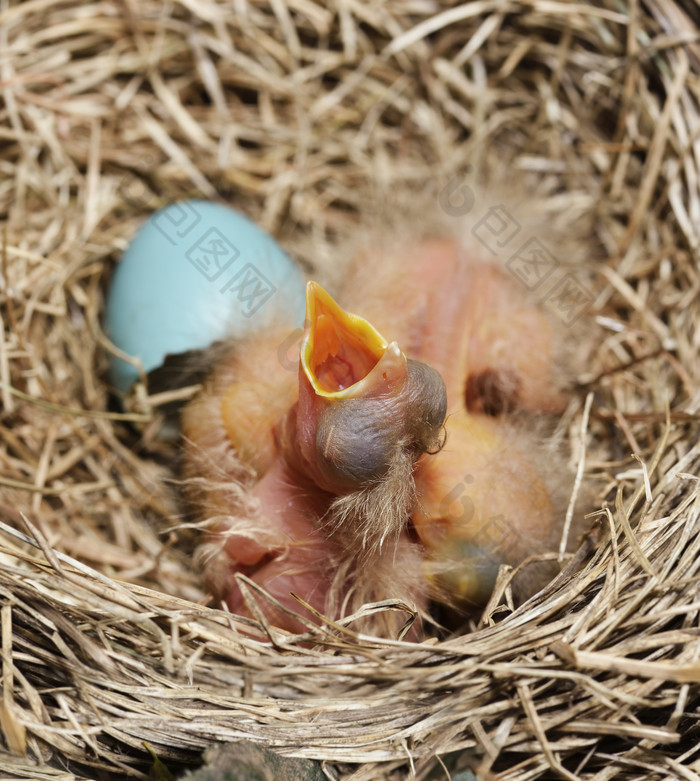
{"x":390,"y":465}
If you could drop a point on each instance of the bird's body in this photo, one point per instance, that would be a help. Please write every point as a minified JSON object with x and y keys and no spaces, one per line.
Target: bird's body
{"x":313,"y":483}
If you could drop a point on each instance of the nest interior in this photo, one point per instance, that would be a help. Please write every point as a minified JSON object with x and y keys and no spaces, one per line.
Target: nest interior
{"x":292,"y":112}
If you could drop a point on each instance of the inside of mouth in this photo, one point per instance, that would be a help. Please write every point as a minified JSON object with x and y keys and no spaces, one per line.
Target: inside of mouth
{"x":341,"y":354}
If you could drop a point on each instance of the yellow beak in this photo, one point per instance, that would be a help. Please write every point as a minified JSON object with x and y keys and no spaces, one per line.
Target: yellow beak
{"x":341,"y":352}
{"x":361,"y":404}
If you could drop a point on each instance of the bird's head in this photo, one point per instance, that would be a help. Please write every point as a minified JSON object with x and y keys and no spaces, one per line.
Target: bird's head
{"x":362,"y":402}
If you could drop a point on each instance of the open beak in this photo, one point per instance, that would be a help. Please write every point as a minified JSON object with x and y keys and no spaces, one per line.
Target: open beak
{"x":342,"y":355}
{"x":361,"y":401}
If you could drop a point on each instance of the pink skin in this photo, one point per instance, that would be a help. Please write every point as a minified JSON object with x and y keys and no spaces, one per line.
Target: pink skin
{"x":292,"y":557}
{"x":460,"y":317}
{"x":295,"y":558}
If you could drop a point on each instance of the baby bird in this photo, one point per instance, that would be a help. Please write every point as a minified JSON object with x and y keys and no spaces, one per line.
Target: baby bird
{"x":391,"y":462}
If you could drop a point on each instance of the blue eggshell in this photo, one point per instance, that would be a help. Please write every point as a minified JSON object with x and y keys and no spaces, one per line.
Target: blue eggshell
{"x":195,"y":273}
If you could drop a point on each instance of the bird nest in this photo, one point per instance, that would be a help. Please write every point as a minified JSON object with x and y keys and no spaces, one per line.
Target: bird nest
{"x":293,"y":112}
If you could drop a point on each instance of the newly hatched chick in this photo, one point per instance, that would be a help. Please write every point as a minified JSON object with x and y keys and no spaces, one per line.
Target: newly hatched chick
{"x":386,"y":467}
{"x":309,"y":483}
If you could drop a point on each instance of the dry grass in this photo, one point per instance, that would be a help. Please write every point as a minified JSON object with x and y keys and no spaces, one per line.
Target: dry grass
{"x":293,"y":112}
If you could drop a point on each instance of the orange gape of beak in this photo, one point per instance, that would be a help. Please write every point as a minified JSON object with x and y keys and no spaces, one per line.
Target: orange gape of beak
{"x":361,"y":401}
{"x":340,"y":352}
